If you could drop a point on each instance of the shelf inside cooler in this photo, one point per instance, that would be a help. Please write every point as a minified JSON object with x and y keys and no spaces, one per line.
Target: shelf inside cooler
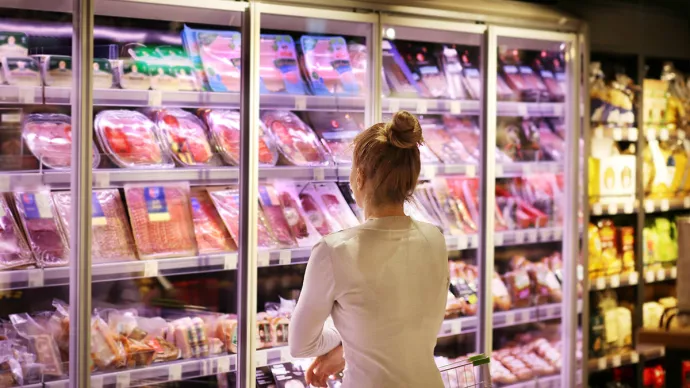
{"x":660,"y":275}
{"x":553,"y":381}
{"x":614,"y":281}
{"x":472,"y":107}
{"x":616,"y":133}
{"x":615,"y":361}
{"x":613,"y":207}
{"x":10,"y":94}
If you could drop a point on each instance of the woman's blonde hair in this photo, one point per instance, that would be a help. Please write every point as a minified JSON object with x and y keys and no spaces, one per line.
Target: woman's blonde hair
{"x":388,"y":156}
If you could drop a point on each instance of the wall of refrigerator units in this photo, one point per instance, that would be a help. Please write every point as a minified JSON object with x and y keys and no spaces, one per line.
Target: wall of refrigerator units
{"x":166,"y":200}
{"x":639,"y":124}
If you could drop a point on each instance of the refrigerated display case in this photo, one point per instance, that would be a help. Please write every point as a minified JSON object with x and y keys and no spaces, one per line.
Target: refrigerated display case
{"x":220,"y":136}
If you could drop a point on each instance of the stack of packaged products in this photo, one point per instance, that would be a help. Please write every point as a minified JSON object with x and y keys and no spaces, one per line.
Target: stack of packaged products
{"x":666,"y":171}
{"x":611,"y":249}
{"x":610,"y":326}
{"x":612,"y":170}
{"x":660,"y":243}
{"x":613,"y":102}
{"x":660,"y":314}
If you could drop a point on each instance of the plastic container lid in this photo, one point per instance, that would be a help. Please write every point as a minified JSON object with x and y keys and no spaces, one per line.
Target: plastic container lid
{"x":49,"y":138}
{"x":296,"y":141}
{"x":185,"y":137}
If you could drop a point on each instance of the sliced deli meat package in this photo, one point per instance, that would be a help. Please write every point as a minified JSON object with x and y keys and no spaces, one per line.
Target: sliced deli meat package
{"x":49,"y":137}
{"x":130,"y":139}
{"x":444,"y":145}
{"x":337,"y":132}
{"x":327,"y":65}
{"x":14,"y":250}
{"x":161,"y":220}
{"x":37,"y":216}
{"x":275,"y":217}
{"x":220,"y":54}
{"x":298,"y":221}
{"x":333,"y":202}
{"x":211,"y":234}
{"x":112,"y":235}
{"x":296,"y":141}
{"x":185,"y":137}
{"x":279,"y":69}
{"x":227,"y":202}
{"x":224,"y":127}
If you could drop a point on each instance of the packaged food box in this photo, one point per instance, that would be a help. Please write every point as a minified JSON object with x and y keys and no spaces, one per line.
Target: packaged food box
{"x":132,"y":74}
{"x":272,"y":209}
{"x":426,"y":70}
{"x":103,"y":75}
{"x":279,"y":69}
{"x":548,"y":77}
{"x":14,"y":44}
{"x":220,"y":54}
{"x":56,"y":70}
{"x":551,"y":143}
{"x":160,"y":70}
{"x":112,"y":239}
{"x":612,"y":176}
{"x":443,"y":144}
{"x":185,"y":137}
{"x":296,"y":216}
{"x":224,"y":127}
{"x":161,"y":220}
{"x":14,"y":251}
{"x":297,"y":142}
{"x":49,"y":137}
{"x":227,"y":203}
{"x":337,"y":132}
{"x":397,"y":74}
{"x":181,"y":66}
{"x":129,"y":138}
{"x":21,"y":71}
{"x":37,"y":216}
{"x":327,"y":65}
{"x":211,"y":234}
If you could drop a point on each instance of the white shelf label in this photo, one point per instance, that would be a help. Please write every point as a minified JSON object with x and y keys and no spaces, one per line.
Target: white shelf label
{"x":616,"y":361}
{"x":35,"y":279}
{"x":101,"y":179}
{"x":663,"y":134}
{"x":263,"y":258}
{"x":498,"y":239}
{"x":615,"y":281}
{"x":601,"y":363}
{"x":674,"y":272}
{"x":224,"y":362}
{"x":628,"y":207}
{"x":634,"y":357}
{"x":633,"y":278}
{"x":522,"y":110}
{"x":471,"y":171}
{"x":686,"y":202}
{"x":510,"y":318}
{"x":285,"y":354}
{"x":455,"y":107}
{"x":429,"y":172}
{"x":11,"y":118}
{"x":519,"y":236}
{"x":633,"y":133}
{"x":285,"y":257}
{"x":532,"y":235}
{"x":545,"y":234}
{"x":649,"y":276}
{"x":558,"y":110}
{"x":599,"y":133}
{"x":300,"y":102}
{"x":456,"y":326}
{"x":558,"y":234}
{"x":617,"y":134}
{"x":5,"y":183}
{"x":661,"y":275}
{"x":150,"y":268}
{"x":664,"y":205}
{"x":462,"y":242}
{"x":261,"y":358}
{"x":394,"y":105}
{"x":230,"y":261}
{"x":204,"y":367}
{"x":122,"y":380}
{"x":499,"y":170}
{"x":601,"y":283}
{"x":155,"y":98}
{"x":96,"y":381}
{"x":612,"y":209}
{"x":27,"y":95}
{"x":474,"y":240}
{"x":596,"y":209}
{"x":422,"y":107}
{"x":319,"y":174}
{"x":175,"y":372}
{"x":649,"y":206}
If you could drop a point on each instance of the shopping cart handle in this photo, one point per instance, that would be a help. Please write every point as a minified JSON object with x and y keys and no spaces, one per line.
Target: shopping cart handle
{"x":479,"y":359}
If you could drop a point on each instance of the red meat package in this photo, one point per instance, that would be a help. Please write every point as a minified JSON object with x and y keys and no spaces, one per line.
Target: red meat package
{"x":37,"y":216}
{"x":444,"y":145}
{"x":224,"y":126}
{"x":112,"y":236}
{"x":316,"y":213}
{"x":273,"y":212}
{"x":334,"y":204}
{"x":297,"y":142}
{"x":551,"y":143}
{"x":227,"y":203}
{"x":295,"y":215}
{"x":161,"y":220}
{"x":454,"y":208}
{"x":14,"y":250}
{"x":184,"y":136}
{"x":211,"y":234}
{"x":130,"y":139}
{"x":466,"y":131}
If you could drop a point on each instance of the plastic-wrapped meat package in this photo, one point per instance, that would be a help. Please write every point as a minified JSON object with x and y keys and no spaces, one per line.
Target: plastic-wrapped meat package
{"x":296,"y":141}
{"x":424,"y":194}
{"x":220,"y":54}
{"x":453,"y":69}
{"x":49,"y":137}
{"x":537,"y":88}
{"x":14,"y":250}
{"x":161,"y":220}
{"x":337,"y":132}
{"x":40,"y":225}
{"x":185,"y":137}
{"x":107,"y":352}
{"x":349,"y":196}
{"x":278,"y":67}
{"x":211,"y":234}
{"x":358,"y":60}
{"x":551,"y":143}
{"x":414,"y":209}
{"x":316,"y":214}
{"x":453,"y":209}
{"x":224,"y":126}
{"x":334,"y":203}
{"x":553,"y":87}
{"x":300,"y":226}
{"x":273,"y":212}
{"x":41,"y":342}
{"x":514,"y":79}
{"x":112,"y":236}
{"x":466,"y":131}
{"x":444,"y":145}
{"x":327,"y":65}
{"x":422,"y":61}
{"x":227,"y":203}
{"x":130,"y":139}
{"x":397,"y":75}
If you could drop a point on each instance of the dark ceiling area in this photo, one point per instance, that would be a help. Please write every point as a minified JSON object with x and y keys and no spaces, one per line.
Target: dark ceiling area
{"x":677,"y":7}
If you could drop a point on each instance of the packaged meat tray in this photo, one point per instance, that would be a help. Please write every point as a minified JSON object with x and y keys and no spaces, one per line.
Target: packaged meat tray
{"x":103,"y":76}
{"x":297,"y":142}
{"x":272,"y":209}
{"x":49,"y":137}
{"x":358,"y":60}
{"x":14,"y":251}
{"x":224,"y":127}
{"x":130,"y":139}
{"x":327,"y":66}
{"x":334,"y":204}
{"x":443,"y":144}
{"x":161,"y":220}
{"x":220,"y":54}
{"x":56,"y":70}
{"x":112,"y":236}
{"x":36,"y":213}
{"x":21,"y":71}
{"x":278,"y":67}
{"x":397,"y":75}
{"x":185,"y":137}
{"x":227,"y":203}
{"x":425,"y":68}
{"x":298,"y":221}
{"x":316,"y":212}
{"x":211,"y":234}
{"x":191,"y":48}
{"x":337,"y":132}
{"x":13,"y":44}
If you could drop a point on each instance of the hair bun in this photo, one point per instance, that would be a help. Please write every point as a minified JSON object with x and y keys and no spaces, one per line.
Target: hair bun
{"x":404,"y":130}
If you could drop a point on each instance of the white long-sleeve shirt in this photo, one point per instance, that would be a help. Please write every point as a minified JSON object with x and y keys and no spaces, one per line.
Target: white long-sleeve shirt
{"x":385,"y":284}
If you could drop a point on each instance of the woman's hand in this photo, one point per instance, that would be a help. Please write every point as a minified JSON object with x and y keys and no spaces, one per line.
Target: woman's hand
{"x":325,"y":366}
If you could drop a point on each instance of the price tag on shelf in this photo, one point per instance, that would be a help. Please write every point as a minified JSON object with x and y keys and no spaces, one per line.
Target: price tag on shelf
{"x":5,"y":183}
{"x":498,"y":239}
{"x":596,"y":209}
{"x":123,"y":379}
{"x":523,"y":316}
{"x":27,"y":95}
{"x":519,"y":237}
{"x":612,"y":209}
{"x":663,"y":134}
{"x":558,"y":110}
{"x":453,"y":169}
{"x":150,"y":268}
{"x":628,"y":207}
{"x":319,"y":174}
{"x":686,"y":202}
{"x":634,"y":358}
{"x":422,"y":107}
{"x":601,"y":283}
{"x":649,"y":276}
{"x":155,"y":98}
{"x":527,"y":169}
{"x":96,"y":381}
{"x":223,"y":365}
{"x":285,"y":355}
{"x":175,"y":372}
{"x":664,"y":205}
{"x":263,"y":259}
{"x":674,"y":272}
{"x":462,"y":242}
{"x":615,"y":281}
{"x":662,"y":351}
{"x":599,"y":133}
{"x":230,"y":261}
{"x":510,"y":318}
{"x":455,"y":107}
{"x":633,"y":133}
{"x":471,"y":171}
{"x":429,"y":172}
{"x":616,"y":361}
{"x":11,"y":118}
{"x":456,"y":326}
{"x":101,"y":179}
{"x":661,"y":275}
{"x":393,"y":105}
{"x":558,"y":234}
{"x":522,"y":110}
{"x":499,"y":170}
{"x":617,"y":134}
{"x":261,"y":358}
{"x":35,"y":278}
{"x":649,"y":206}
{"x":601,"y":363}
{"x":300,"y":102}
{"x":204,"y":367}
{"x":633,"y":278}
{"x":545,"y":234}
{"x":285,"y":257}
{"x":473,"y":241}
{"x":532,"y":235}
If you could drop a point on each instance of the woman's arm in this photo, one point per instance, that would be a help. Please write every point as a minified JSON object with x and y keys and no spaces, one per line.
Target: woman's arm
{"x":308,"y":335}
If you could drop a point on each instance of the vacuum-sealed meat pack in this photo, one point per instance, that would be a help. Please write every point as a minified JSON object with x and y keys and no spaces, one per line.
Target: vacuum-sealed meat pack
{"x":298,"y":221}
{"x":227,"y":202}
{"x":224,"y":127}
{"x":426,"y":69}
{"x":14,"y":250}
{"x":275,"y":217}
{"x":49,"y":137}
{"x":185,"y":137}
{"x":161,"y":220}
{"x":397,"y":75}
{"x":112,"y":236}
{"x":130,"y":139}
{"x":220,"y":55}
{"x":326,"y":207}
{"x":211,"y":234}
{"x":327,"y":65}
{"x":278,"y":66}
{"x":444,"y":145}
{"x":37,"y":216}
{"x":337,"y":132}
{"x":296,"y":141}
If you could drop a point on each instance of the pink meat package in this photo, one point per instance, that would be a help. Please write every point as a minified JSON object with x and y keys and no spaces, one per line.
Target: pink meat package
{"x":298,"y":143}
{"x":184,"y":136}
{"x":112,"y":236}
{"x":275,"y":217}
{"x":14,"y":250}
{"x":227,"y":203}
{"x":37,"y":216}
{"x":211,"y":234}
{"x":332,"y":205}
{"x":220,"y":53}
{"x":130,"y":139}
{"x":224,"y":127}
{"x":161,"y":220}
{"x":444,"y":145}
{"x":296,"y":216}
{"x":337,"y":132}
{"x":49,"y":137}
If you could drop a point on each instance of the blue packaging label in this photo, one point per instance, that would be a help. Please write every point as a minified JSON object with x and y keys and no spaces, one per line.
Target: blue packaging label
{"x":196,"y":207}
{"x":546,"y":74}
{"x":156,"y":206}
{"x":283,"y":48}
{"x":510,"y":69}
{"x":97,"y":215}
{"x":340,"y":62}
{"x":526,"y":70}
{"x":36,"y":206}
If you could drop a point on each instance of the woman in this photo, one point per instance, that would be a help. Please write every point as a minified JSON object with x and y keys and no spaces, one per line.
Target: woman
{"x":384,"y":282}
